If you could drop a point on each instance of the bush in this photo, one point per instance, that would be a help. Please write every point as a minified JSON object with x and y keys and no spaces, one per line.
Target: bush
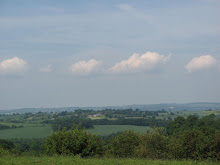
{"x":216,"y":146}
{"x":124,"y":145}
{"x":73,"y":142}
{"x":3,"y":152}
{"x":190,"y":144}
{"x":154,"y":145}
{"x":6,"y":144}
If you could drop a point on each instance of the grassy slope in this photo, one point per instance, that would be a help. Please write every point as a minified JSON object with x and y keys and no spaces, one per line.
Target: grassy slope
{"x":9,"y":160}
{"x":104,"y":130}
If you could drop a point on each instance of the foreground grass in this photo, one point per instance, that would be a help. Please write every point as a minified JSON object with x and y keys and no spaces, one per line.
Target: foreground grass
{"x":24,"y":160}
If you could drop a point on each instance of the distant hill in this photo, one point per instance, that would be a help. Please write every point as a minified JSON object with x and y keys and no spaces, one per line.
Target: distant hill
{"x":196,"y":106}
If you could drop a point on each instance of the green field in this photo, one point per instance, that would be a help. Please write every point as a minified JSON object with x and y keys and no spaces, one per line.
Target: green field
{"x":41,"y":131}
{"x":57,"y":160}
{"x":104,"y":130}
{"x":28,"y":131}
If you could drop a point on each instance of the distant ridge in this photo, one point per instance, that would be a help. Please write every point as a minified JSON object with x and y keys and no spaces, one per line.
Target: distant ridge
{"x":195,"y":106}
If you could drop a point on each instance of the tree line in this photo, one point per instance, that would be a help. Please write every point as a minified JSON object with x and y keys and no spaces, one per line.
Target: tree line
{"x":2,"y":126}
{"x":60,"y":123}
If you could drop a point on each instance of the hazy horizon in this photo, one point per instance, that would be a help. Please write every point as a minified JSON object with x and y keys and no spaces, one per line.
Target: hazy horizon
{"x":108,"y":53}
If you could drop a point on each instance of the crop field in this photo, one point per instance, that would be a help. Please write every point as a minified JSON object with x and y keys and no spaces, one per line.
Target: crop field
{"x":55,"y":160}
{"x":104,"y":130}
{"x":28,"y":131}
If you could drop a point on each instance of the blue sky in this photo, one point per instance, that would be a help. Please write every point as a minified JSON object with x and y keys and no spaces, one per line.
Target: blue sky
{"x":94,"y":53}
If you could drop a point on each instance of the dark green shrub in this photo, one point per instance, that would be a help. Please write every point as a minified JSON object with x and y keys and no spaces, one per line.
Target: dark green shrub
{"x":124,"y":145}
{"x":154,"y":145}
{"x":73,"y":142}
{"x":216,"y":146}
{"x":190,"y":144}
{"x":6,"y":144}
{"x":3,"y":152}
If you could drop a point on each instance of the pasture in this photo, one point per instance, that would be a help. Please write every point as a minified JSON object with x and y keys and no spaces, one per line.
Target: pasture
{"x":28,"y":131}
{"x":44,"y":130}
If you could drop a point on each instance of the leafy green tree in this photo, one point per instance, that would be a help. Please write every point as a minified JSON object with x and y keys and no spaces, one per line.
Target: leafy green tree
{"x":190,"y":144}
{"x":216,"y":146}
{"x":175,"y":126}
{"x":154,"y":145}
{"x":6,"y":144}
{"x":73,"y":142}
{"x":124,"y":145}
{"x":3,"y":152}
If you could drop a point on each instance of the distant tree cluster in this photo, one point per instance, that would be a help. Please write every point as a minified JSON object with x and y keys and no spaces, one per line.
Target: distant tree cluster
{"x":8,"y":127}
{"x":137,"y":122}
{"x":60,"y":123}
{"x":4,"y":126}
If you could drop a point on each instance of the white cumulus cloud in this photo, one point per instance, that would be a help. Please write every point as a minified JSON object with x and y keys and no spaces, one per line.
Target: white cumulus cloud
{"x":200,"y":63}
{"x":48,"y":68}
{"x":125,"y":7}
{"x":12,"y":66}
{"x":137,"y":63}
{"x":85,"y":67}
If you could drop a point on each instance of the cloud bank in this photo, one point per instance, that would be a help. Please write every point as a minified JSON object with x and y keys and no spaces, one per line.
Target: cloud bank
{"x":201,"y":63}
{"x":12,"y":66}
{"x":138,"y":63}
{"x":85,"y":67}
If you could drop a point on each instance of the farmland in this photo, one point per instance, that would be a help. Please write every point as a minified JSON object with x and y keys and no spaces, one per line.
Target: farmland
{"x":104,"y":133}
{"x":34,"y":125}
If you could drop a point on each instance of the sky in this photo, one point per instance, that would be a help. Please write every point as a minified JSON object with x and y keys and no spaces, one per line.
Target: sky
{"x":102,"y":53}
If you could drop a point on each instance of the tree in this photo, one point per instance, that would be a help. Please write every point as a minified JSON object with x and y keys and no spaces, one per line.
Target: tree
{"x":6,"y":144}
{"x":190,"y":144}
{"x":124,"y":145}
{"x":73,"y":142}
{"x":3,"y":152}
{"x":174,"y":126}
{"x":154,"y":145}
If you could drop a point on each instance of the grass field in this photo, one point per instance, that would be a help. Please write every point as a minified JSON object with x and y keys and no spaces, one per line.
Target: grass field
{"x":28,"y":131}
{"x":104,"y":130}
{"x":41,"y":131}
{"x":24,"y":160}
